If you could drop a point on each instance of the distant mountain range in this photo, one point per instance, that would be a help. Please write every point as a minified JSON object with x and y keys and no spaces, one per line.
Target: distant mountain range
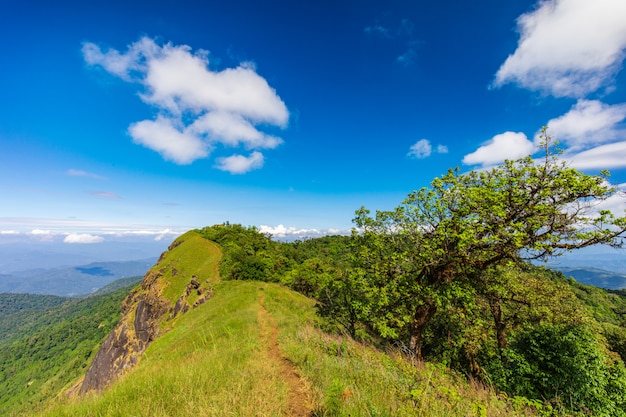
{"x":72,"y":281}
{"x":596,"y":277}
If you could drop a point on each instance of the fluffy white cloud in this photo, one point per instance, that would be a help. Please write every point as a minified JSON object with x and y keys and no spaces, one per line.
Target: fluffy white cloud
{"x":423,"y":149}
{"x":568,"y":47}
{"x":198,"y":107}
{"x":232,"y":129}
{"x":9,"y":232}
{"x":589,"y":123}
{"x":82,"y":238}
{"x":507,"y":145}
{"x":122,"y":65}
{"x":175,"y":144}
{"x":239,"y":164}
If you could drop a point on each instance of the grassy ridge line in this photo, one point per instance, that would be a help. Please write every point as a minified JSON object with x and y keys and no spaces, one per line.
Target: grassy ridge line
{"x":210,"y":364}
{"x":215,"y":362}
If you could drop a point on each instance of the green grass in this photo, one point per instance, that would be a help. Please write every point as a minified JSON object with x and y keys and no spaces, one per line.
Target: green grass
{"x":215,"y":362}
{"x":210,"y":364}
{"x":351,"y":379}
{"x":197,"y":256}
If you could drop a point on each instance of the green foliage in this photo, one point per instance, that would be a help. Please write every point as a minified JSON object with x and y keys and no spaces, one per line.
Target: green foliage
{"x":48,"y":348}
{"x":424,"y":254}
{"x":246,"y":253}
{"x":17,"y":303}
{"x":568,"y":365}
{"x":20,"y":310}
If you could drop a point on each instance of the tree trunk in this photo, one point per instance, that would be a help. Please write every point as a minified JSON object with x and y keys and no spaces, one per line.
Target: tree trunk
{"x":496,"y":312}
{"x":423,"y":314}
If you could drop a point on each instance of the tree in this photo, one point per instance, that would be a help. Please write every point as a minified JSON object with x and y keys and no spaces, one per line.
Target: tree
{"x":424,"y":254}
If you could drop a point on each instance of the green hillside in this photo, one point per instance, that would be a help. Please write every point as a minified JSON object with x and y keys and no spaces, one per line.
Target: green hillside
{"x":49,"y":343}
{"x":255,"y":350}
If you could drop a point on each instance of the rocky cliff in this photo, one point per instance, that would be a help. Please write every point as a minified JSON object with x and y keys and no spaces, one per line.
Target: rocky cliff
{"x":181,"y":279}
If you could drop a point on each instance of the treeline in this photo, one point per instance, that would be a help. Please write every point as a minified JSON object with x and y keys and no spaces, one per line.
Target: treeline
{"x":447,"y":277}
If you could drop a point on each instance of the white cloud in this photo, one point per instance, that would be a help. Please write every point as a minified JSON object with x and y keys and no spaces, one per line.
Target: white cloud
{"x":239,"y":164}
{"x":82,"y":238}
{"x":602,"y":157}
{"x":157,"y":234}
{"x":568,"y":47}
{"x":173,"y":143}
{"x":232,"y":129}
{"x":9,"y":232}
{"x":40,"y":232}
{"x":123,"y":65}
{"x":421,"y":149}
{"x":616,"y":203}
{"x":284,"y":232}
{"x":507,"y":145}
{"x":42,"y":235}
{"x":589,"y":123}
{"x":198,"y":107}
{"x":81,"y":173}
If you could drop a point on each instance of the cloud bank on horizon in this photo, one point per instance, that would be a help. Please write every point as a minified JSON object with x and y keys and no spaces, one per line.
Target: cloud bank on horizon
{"x":198,"y":108}
{"x":572,"y":49}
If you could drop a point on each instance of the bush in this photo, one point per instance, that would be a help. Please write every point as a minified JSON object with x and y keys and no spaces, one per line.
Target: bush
{"x":568,"y":366}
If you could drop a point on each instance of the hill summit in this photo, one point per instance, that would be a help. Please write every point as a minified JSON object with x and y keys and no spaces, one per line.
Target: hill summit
{"x":182,"y":278}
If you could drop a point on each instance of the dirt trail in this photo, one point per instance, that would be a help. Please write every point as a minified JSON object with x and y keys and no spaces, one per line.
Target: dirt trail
{"x":298,"y":399}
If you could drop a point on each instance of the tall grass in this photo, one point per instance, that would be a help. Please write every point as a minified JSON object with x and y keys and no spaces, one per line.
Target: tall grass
{"x":214,"y":362}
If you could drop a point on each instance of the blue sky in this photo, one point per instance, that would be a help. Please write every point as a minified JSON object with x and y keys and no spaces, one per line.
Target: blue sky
{"x":141,"y":120}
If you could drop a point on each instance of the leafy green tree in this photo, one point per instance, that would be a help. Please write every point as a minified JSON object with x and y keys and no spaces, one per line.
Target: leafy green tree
{"x":423,"y":255}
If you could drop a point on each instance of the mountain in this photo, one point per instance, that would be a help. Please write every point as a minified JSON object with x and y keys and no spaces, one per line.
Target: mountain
{"x":596,"y":277}
{"x":72,"y":281}
{"x":192,"y":340}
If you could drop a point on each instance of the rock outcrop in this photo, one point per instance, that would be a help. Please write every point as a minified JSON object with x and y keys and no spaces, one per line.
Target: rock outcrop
{"x":149,"y":306}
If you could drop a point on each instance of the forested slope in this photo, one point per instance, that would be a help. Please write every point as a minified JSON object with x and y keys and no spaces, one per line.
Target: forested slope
{"x":46,"y":343}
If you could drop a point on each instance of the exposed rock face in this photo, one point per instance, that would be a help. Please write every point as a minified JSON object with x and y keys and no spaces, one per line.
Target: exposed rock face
{"x":130,"y":338}
{"x":143,"y":311}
